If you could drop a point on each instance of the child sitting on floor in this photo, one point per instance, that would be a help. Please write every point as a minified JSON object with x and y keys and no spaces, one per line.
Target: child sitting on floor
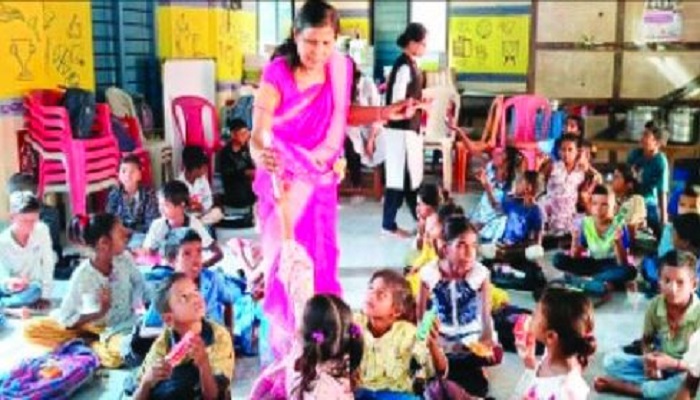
{"x":172,"y":201}
{"x":391,"y":342}
{"x":651,"y":167}
{"x":135,"y":204}
{"x":563,"y":321}
{"x":103,"y":293}
{"x":429,"y":199}
{"x":183,"y":250}
{"x":520,"y":245}
{"x":196,"y":166}
{"x":460,"y":293}
{"x":688,"y":203}
{"x":499,"y":175}
{"x":325,"y":364}
{"x":671,"y":318}
{"x":607,"y":242}
{"x":236,"y":167}
{"x":624,"y":186}
{"x":27,"y":259}
{"x":559,"y":202}
{"x":205,"y":370}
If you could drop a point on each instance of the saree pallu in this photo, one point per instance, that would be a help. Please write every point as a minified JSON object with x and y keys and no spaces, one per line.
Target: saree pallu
{"x":308,"y":133}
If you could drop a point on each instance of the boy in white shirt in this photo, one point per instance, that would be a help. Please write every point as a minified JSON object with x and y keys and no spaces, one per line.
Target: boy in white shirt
{"x":173,"y":199}
{"x":27,"y":259}
{"x":196,"y":165}
{"x":691,"y":362}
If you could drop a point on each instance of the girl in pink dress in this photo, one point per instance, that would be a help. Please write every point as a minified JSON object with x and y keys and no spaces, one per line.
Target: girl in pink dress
{"x":304,"y":105}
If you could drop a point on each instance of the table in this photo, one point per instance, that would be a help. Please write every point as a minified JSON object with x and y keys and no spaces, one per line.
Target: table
{"x":673,"y":151}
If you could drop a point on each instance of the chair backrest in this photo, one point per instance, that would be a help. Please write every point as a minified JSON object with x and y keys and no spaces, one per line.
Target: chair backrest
{"x":529,"y":114}
{"x":445,"y":104}
{"x":120,"y":102}
{"x":189,"y":113}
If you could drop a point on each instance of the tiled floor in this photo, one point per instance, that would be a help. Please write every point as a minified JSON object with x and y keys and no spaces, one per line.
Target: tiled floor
{"x":363,"y":249}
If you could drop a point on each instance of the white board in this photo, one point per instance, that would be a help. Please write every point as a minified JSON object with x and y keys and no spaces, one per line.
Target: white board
{"x":185,"y":77}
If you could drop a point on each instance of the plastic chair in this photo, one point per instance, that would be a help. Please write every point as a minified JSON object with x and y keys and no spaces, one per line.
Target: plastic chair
{"x":75,"y":166}
{"x":134,"y":129}
{"x":530,"y":116}
{"x":437,"y":136}
{"x":191,"y":127}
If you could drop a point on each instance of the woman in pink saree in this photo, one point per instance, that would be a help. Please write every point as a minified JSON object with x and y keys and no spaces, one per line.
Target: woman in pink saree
{"x":304,"y":105}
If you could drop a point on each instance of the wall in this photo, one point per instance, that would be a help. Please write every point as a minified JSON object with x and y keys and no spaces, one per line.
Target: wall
{"x":47,"y":44}
{"x":209,"y":30}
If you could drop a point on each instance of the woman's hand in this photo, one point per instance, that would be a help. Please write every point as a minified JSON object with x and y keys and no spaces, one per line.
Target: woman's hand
{"x":403,"y":109}
{"x":266,"y":158}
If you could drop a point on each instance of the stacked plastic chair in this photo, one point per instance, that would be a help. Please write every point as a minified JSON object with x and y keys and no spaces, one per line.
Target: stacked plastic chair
{"x":75,"y":166}
{"x":189,"y":113}
{"x":530,"y":116}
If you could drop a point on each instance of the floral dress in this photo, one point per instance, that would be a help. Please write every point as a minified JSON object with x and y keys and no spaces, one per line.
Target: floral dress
{"x":559,"y":204}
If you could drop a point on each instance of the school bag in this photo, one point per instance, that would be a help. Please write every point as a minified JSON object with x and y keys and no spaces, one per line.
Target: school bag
{"x":80,"y":105}
{"x":55,"y":376}
{"x":126,"y":143}
{"x":143,"y":112}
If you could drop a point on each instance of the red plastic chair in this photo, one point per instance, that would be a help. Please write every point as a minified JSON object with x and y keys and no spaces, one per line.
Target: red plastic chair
{"x":525,"y":110}
{"x":191,"y":127}
{"x":76,"y":166}
{"x":133,"y":127}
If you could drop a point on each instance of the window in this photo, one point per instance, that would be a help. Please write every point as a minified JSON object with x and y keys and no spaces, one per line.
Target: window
{"x":279,"y":12}
{"x":433,"y":15}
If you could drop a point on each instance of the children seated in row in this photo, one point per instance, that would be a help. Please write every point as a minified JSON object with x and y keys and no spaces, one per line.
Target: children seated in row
{"x":671,"y":318}
{"x":459,"y":290}
{"x":236,"y":167}
{"x":103,"y":293}
{"x":173,"y":200}
{"x":520,"y":245}
{"x":206,"y":371}
{"x":183,"y":251}
{"x":599,"y":252}
{"x":651,"y":168}
{"x":195,"y":163}
{"x":134,"y":203}
{"x":27,"y":259}
{"x":563,"y":321}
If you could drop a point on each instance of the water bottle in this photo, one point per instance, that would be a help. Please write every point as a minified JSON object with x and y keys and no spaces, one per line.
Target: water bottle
{"x":426,"y":324}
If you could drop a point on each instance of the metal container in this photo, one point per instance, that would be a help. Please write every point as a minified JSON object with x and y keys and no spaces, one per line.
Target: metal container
{"x":637,"y":118}
{"x":683,"y":123}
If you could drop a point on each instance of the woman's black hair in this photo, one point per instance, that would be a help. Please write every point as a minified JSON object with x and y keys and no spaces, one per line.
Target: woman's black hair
{"x":414,"y":32}
{"x":328,"y":334}
{"x":313,"y":14}
{"x":455,"y":226}
{"x":570,"y":314}
{"x":89,"y":230}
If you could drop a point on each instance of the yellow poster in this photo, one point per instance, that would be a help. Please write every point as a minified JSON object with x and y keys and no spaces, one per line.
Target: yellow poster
{"x":235,"y":37}
{"x":23,"y":46}
{"x":69,"y":58}
{"x":352,"y":26}
{"x":489,"y":44}
{"x":184,"y":32}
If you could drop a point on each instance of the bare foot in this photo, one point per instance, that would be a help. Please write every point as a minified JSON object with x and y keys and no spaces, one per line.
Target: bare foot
{"x":398,"y":232}
{"x":605,"y":384}
{"x":601,"y":384}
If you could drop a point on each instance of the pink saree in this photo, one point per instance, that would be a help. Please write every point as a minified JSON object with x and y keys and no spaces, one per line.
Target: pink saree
{"x":308,"y":132}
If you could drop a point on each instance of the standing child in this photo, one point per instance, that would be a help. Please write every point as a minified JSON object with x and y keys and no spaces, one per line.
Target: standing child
{"x":670,"y":320}
{"x":135,"y":204}
{"x":102,"y":295}
{"x":196,"y":166}
{"x":651,"y":168}
{"x":236,"y":167}
{"x":461,"y":294}
{"x":26,"y":258}
{"x":605,"y":266}
{"x":563,"y":322}
{"x":326,"y":363}
{"x":391,"y":341}
{"x":172,"y":201}
{"x":205,"y":369}
{"x":559,"y":202}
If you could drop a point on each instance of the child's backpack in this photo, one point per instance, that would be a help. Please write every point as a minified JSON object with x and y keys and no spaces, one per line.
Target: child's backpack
{"x":143,"y":112}
{"x":126,"y":143}
{"x":56,"y":375}
{"x":80,"y":105}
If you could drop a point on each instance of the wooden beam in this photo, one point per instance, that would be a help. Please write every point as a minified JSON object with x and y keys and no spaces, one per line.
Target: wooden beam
{"x":532,"y":58}
{"x":622,"y":46}
{"x":617,"y":61}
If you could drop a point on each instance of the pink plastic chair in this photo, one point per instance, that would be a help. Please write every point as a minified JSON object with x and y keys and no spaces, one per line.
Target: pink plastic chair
{"x":194,"y":109}
{"x":524,"y":110}
{"x":76,"y":166}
